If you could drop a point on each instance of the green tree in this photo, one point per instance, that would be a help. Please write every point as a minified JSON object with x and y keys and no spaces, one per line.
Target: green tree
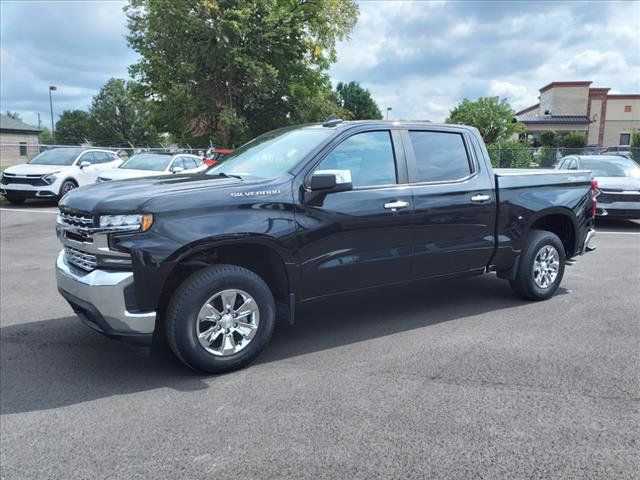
{"x":72,"y":128}
{"x":119,"y":117}
{"x":509,"y":154}
{"x":493,"y":118}
{"x":573,"y":140}
{"x":45,"y":136}
{"x":226,"y":70}
{"x":358,"y":101}
{"x":549,"y":138}
{"x":635,"y":145}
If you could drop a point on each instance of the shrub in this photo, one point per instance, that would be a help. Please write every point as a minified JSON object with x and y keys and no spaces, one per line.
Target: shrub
{"x":573,"y":140}
{"x":509,"y":154}
{"x":549,"y":138}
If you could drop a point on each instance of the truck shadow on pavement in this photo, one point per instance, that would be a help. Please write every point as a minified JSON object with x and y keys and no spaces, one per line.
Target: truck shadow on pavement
{"x":60,"y":362}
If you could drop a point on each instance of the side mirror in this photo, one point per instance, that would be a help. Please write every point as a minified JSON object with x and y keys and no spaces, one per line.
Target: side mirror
{"x":176,"y":169}
{"x":330,"y":182}
{"x":85,"y":163}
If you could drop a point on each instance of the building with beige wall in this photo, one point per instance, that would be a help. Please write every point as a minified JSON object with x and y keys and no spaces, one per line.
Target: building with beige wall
{"x":18,"y":141}
{"x":606,"y":119}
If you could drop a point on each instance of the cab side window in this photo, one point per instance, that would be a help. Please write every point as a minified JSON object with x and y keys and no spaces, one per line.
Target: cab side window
{"x":440,"y":156}
{"x":368,"y":156}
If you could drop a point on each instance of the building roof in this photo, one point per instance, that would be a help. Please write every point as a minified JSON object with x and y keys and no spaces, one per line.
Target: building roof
{"x":566,"y":119}
{"x":11,"y":124}
{"x":564,"y":84}
{"x":528,"y":109}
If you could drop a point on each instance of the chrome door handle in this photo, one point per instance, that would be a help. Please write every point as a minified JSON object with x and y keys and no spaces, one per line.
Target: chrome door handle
{"x":393,"y":206}
{"x":480,"y":197}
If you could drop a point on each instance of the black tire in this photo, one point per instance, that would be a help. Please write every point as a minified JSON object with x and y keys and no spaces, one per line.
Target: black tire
{"x":66,"y":187}
{"x":15,"y":200}
{"x":524,"y":284}
{"x":191,"y":295}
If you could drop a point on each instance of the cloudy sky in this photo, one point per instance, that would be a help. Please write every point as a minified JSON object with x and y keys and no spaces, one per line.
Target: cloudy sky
{"x":420,"y":58}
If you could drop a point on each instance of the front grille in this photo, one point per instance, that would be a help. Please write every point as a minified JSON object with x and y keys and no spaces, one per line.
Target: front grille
{"x":82,"y":260}
{"x":610,"y":197}
{"x":35,"y":180}
{"x":76,"y":219}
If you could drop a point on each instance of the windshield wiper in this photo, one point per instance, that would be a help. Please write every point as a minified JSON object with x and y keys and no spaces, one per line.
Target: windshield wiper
{"x":229,"y":175}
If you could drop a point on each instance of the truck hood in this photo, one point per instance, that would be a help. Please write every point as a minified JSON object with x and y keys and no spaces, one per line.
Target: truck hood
{"x":619,"y":183}
{"x":131,"y":195}
{"x":125,"y":173}
{"x":29,"y":169}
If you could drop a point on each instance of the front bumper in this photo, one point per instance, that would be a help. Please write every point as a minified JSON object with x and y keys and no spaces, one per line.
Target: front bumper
{"x":99,"y":299}
{"x":29,"y":192}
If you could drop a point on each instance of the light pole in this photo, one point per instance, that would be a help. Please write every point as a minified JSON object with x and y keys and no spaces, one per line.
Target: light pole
{"x":53,"y":132}
{"x":388,"y":110}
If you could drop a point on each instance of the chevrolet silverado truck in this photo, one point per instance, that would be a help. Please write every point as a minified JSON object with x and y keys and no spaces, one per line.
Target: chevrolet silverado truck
{"x":211,"y":260}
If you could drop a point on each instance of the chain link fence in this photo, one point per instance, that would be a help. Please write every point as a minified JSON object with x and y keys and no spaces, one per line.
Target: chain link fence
{"x":548,"y":157}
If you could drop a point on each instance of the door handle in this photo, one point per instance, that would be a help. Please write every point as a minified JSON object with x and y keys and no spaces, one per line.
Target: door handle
{"x":480,"y":197}
{"x":395,"y":205}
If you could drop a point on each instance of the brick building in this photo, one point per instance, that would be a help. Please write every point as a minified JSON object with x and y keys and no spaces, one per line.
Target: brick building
{"x":606,"y":119}
{"x":18,"y":141}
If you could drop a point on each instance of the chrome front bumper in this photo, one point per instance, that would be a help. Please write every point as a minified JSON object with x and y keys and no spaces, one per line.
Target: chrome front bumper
{"x":99,"y":299}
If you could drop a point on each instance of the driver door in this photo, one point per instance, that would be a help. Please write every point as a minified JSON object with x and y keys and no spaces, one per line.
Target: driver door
{"x":88,"y":174}
{"x":362,"y":237}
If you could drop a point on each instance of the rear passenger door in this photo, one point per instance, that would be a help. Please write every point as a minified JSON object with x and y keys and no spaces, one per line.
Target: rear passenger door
{"x":454,"y":202}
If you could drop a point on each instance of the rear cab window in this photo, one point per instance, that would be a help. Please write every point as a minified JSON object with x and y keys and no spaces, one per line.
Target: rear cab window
{"x":439,"y":156}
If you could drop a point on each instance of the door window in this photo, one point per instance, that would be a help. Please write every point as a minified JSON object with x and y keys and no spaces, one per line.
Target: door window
{"x":87,"y":157}
{"x":368,"y":156}
{"x":440,"y":156}
{"x":178,"y":162}
{"x":189,"y":163}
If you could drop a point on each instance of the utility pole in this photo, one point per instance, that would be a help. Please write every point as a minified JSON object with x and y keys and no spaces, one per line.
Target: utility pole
{"x":388,"y":110}
{"x":38,"y":119}
{"x":53,"y":132}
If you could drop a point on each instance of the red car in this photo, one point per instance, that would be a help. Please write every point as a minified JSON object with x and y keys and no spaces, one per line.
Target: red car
{"x":214,"y":156}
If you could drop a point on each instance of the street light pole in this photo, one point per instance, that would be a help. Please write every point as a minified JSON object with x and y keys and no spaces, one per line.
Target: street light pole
{"x":53,"y":132}
{"x":388,"y":110}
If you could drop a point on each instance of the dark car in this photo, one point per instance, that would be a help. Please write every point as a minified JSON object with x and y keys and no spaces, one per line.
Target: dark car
{"x":302,"y":213}
{"x":618,"y":183}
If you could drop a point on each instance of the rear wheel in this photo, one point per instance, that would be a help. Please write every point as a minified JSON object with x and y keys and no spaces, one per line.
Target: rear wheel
{"x":541,"y":266}
{"x":15,"y":200}
{"x":220,"y":318}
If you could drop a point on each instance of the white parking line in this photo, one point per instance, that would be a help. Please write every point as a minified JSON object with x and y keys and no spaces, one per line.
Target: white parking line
{"x":25,"y":210}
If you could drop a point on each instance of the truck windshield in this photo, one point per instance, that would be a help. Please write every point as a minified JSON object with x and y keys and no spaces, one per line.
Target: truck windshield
{"x":56,"y":156}
{"x":618,"y":167}
{"x":148,"y":161}
{"x":273,"y":153}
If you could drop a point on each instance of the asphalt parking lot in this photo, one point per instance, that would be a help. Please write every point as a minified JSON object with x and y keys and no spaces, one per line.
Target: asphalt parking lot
{"x":456,"y":379}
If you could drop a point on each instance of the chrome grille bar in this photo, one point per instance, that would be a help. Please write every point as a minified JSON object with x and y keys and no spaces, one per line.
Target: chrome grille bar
{"x":80,"y":259}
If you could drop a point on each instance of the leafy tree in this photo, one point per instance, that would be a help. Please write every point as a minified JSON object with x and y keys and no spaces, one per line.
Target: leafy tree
{"x":573,"y":140}
{"x":14,"y":115}
{"x":226,"y":70}
{"x":45,"y":136}
{"x":509,"y":154}
{"x":357,"y":101}
{"x":73,"y":127}
{"x":118,"y":116}
{"x":635,"y":145}
{"x":494,"y":118}
{"x":549,"y":138}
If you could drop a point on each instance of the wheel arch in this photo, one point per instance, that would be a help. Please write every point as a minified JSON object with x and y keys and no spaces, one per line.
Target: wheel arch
{"x":560,"y":221}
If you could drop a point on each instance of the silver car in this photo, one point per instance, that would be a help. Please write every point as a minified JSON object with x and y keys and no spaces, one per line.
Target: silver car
{"x":618,"y":183}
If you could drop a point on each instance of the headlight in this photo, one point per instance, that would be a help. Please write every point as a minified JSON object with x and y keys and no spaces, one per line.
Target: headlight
{"x":140,"y":223}
{"x":49,"y":179}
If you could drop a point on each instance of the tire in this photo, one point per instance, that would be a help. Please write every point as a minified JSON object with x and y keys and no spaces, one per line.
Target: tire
{"x":66,"y":187}
{"x":184,"y":318}
{"x":530,"y":282}
{"x":15,"y":200}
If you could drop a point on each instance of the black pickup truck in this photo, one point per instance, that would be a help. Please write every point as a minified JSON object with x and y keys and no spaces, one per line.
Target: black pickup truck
{"x":211,"y":260}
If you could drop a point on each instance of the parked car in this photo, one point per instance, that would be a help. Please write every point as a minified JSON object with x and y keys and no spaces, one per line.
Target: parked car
{"x":618,"y":179}
{"x":303,"y":213}
{"x":55,"y":172}
{"x":153,"y":164}
{"x":215,"y":155}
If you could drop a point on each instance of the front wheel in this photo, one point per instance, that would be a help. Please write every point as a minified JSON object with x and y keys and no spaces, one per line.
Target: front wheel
{"x":220,"y":318}
{"x":66,"y":187}
{"x":541,"y":266}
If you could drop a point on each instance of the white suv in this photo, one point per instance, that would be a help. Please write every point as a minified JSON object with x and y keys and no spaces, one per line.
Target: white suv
{"x":54,"y":172}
